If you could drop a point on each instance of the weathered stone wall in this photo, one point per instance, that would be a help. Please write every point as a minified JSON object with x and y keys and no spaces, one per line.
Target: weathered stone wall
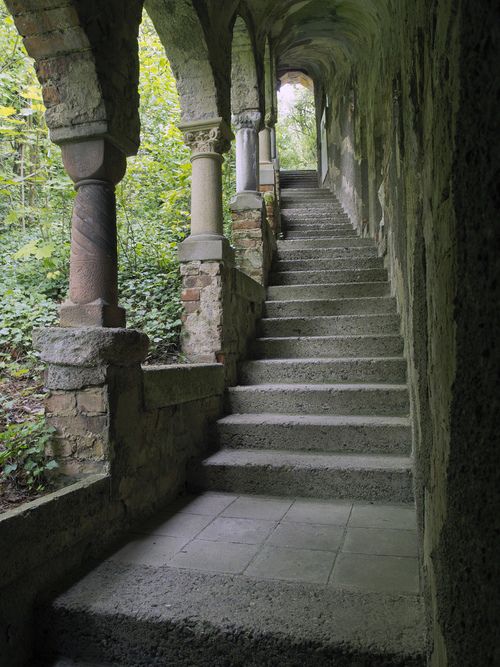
{"x":87,"y":62}
{"x":253,"y":240}
{"x":138,"y":427}
{"x":221,"y":308}
{"x":412,"y":158}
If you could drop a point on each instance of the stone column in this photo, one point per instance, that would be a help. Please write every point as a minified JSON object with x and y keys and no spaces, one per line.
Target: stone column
{"x":95,"y":166}
{"x":265,"y":150}
{"x":274,"y":151}
{"x":95,"y":395}
{"x":266,"y":166}
{"x":208,"y":140}
{"x":247,"y":124}
{"x":206,"y":257}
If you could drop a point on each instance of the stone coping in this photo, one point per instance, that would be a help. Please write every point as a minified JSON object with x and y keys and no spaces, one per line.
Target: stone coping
{"x":181,"y":383}
{"x":90,"y":346}
{"x":247,"y":288}
{"x":37,"y":531}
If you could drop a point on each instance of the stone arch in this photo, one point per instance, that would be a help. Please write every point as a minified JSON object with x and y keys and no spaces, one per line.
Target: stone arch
{"x":202,"y":90}
{"x":86,"y":58}
{"x":245,"y":81}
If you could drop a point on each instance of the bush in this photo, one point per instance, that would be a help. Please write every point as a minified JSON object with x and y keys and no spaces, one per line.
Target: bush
{"x":23,"y":461}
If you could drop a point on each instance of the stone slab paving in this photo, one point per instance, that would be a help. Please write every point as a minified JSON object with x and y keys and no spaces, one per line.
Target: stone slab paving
{"x":250,"y":581}
{"x":350,"y":545}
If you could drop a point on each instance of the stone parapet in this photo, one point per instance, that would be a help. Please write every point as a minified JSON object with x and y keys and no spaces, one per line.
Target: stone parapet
{"x":84,"y":367}
{"x":152,"y":422}
{"x":165,"y":386}
{"x":253,"y":238}
{"x":221,"y":307}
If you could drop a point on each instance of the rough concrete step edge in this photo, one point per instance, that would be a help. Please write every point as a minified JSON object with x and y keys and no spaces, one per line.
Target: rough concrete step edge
{"x":326,"y":461}
{"x":278,"y":419}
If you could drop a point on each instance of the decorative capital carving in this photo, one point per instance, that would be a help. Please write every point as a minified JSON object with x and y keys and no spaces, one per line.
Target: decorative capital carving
{"x":210,"y":136}
{"x":249,"y":119}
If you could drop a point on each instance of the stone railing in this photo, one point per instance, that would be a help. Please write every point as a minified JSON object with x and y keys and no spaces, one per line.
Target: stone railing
{"x":221,"y":309}
{"x":127,"y":433}
{"x":253,"y":237}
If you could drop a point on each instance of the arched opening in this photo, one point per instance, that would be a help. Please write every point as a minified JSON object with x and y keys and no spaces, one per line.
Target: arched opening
{"x":296,"y":133}
{"x":36,"y":199}
{"x":153,"y":205}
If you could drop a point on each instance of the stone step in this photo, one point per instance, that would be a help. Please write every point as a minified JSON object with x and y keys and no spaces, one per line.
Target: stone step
{"x":299,"y":184}
{"x":303,"y":244}
{"x":310,"y":201}
{"x":318,"y":215}
{"x":315,"y":225}
{"x":305,"y":189}
{"x":360,"y":477}
{"x":312,"y":205}
{"x":134,"y":615}
{"x":329,"y":371}
{"x":319,"y":233}
{"x":327,"y":291}
{"x":294,"y":252}
{"x":325,"y":307}
{"x":326,"y":221}
{"x":325,"y":433}
{"x":329,"y":325}
{"x":308,"y":193}
{"x":324,"y":399}
{"x":328,"y":264}
{"x":328,"y":276}
{"x":305,"y":347}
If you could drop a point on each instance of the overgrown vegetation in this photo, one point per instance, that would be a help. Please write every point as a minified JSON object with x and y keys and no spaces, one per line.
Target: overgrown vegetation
{"x":36,"y":199}
{"x":296,"y":130}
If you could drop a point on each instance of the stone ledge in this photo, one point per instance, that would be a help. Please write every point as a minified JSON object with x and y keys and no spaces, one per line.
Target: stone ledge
{"x":181,"y":383}
{"x":206,"y":248}
{"x":36,"y":531}
{"x":91,"y":346}
{"x":247,"y":201}
{"x":247,"y":288}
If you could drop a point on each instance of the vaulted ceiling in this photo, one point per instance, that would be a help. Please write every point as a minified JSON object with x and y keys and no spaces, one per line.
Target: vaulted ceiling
{"x":318,"y":37}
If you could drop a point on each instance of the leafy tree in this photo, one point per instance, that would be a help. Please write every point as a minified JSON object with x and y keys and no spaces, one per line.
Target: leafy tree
{"x":35,"y":224}
{"x":296,"y":132}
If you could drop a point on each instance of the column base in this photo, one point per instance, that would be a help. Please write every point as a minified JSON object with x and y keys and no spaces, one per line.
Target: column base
{"x":94,"y":314}
{"x":266,"y":173}
{"x":205,"y":248}
{"x":249,"y":199}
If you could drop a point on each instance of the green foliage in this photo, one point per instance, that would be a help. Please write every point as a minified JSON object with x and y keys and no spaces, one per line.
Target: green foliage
{"x":296,"y":132}
{"x":22,"y":312}
{"x":228,"y":189}
{"x":23,"y":460}
{"x":36,"y":199}
{"x":154,"y":306}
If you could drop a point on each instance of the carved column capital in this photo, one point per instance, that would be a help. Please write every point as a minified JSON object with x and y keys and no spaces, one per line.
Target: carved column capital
{"x":207,"y":136}
{"x":250,"y":119}
{"x":94,"y":159}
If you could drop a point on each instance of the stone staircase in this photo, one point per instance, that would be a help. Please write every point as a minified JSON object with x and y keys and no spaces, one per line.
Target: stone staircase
{"x":322,"y":410}
{"x":299,"y":544}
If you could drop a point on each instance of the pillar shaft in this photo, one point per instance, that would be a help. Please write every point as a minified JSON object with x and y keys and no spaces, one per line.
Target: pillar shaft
{"x":274,"y":152}
{"x":207,"y":140}
{"x":265,"y":145}
{"x":247,"y":125}
{"x":95,"y":166}
{"x":206,"y":194}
